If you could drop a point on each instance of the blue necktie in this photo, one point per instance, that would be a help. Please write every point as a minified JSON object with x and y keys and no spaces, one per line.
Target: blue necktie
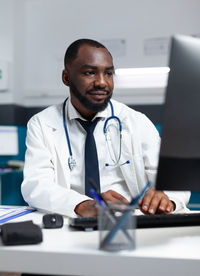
{"x":91,"y":158}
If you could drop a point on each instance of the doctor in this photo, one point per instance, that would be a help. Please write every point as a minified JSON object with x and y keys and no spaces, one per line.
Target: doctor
{"x":127,"y":145}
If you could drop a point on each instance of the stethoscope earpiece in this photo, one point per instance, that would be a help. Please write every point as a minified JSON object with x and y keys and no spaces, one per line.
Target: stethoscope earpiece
{"x":112,"y":165}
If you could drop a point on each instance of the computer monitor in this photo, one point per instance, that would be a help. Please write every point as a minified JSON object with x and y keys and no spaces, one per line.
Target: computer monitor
{"x":179,"y":161}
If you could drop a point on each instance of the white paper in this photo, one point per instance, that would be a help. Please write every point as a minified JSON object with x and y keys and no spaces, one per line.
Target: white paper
{"x":8,"y":212}
{"x":8,"y":140}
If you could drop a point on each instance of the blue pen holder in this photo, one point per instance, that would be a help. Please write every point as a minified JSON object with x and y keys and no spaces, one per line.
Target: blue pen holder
{"x":116,"y":224}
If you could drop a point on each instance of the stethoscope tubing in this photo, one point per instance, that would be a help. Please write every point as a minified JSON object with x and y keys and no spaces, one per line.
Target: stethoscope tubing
{"x":66,"y":130}
{"x":71,"y":161}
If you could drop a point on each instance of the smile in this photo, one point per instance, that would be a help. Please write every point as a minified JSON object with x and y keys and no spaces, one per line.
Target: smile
{"x":99,"y":92}
{"x":98,"y":95}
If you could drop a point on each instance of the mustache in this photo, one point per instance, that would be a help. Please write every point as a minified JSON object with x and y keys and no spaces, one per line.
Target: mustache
{"x":97,"y":89}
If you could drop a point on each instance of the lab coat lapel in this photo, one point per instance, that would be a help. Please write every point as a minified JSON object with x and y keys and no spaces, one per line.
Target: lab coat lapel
{"x":128,"y":170}
{"x":55,"y":123}
{"x":61,"y":148}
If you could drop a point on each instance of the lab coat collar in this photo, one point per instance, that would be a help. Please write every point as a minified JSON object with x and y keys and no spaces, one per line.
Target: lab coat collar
{"x":55,"y":119}
{"x":72,"y":113}
{"x":53,"y":116}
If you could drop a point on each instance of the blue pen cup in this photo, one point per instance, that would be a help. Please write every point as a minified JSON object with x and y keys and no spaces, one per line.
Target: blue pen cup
{"x":116,"y":225}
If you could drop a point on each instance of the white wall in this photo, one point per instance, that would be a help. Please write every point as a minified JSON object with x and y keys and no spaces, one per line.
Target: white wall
{"x":6,"y":45}
{"x":38,"y":32}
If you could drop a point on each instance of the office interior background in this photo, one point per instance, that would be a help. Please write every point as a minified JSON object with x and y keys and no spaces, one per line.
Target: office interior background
{"x":34,"y":35}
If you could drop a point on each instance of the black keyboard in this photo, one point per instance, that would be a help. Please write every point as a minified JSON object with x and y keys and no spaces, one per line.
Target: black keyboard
{"x":144,"y":221}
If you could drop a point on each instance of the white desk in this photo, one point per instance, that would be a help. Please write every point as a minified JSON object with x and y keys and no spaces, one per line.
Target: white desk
{"x":163,"y":252}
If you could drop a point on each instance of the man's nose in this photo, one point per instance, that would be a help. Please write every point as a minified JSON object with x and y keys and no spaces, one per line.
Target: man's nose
{"x":100,"y":80}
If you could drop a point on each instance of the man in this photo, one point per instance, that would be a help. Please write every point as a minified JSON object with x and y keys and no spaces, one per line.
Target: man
{"x":55,"y":182}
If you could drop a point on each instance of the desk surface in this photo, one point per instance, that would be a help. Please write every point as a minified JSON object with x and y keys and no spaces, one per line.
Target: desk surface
{"x":163,"y":251}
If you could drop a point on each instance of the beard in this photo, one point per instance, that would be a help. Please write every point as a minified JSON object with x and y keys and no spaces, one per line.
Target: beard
{"x":94,"y":107}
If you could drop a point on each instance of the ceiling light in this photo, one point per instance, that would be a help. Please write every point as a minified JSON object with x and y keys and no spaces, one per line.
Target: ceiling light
{"x":142,"y":71}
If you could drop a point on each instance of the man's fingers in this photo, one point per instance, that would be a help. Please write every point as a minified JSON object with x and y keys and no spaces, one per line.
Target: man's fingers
{"x":145,"y":203}
{"x":170,"y":207}
{"x":113,"y":196}
{"x":164,"y":204}
{"x":119,"y":197}
{"x":155,"y":202}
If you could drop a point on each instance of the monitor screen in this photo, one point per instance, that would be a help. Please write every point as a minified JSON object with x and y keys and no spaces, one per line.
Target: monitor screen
{"x":179,"y":161}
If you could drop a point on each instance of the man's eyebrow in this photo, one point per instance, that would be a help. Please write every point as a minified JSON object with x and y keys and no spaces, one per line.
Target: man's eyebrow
{"x":110,"y":68}
{"x":88,"y":66}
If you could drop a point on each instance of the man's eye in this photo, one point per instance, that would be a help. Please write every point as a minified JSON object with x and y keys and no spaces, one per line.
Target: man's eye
{"x":109,"y":73}
{"x":89,"y":73}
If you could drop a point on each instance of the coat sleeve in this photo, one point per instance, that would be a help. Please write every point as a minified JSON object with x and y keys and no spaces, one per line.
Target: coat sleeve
{"x":150,"y":150}
{"x":150,"y":145}
{"x":40,"y":188}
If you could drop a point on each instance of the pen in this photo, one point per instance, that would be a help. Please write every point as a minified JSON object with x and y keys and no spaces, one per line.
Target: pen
{"x":101,"y":203}
{"x":100,"y":200}
{"x":124,"y":217}
{"x":97,"y":197}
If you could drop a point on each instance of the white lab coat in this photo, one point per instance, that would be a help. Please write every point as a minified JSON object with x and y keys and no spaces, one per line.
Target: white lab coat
{"x":46,"y":182}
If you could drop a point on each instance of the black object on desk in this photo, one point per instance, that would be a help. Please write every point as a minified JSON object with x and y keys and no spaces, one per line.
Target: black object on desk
{"x":51,"y":221}
{"x":21,"y":233}
{"x":144,"y":221}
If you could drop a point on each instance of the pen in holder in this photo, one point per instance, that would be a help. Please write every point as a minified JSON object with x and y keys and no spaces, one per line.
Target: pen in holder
{"x":115,"y":221}
{"x":124,"y":219}
{"x":108,"y":219}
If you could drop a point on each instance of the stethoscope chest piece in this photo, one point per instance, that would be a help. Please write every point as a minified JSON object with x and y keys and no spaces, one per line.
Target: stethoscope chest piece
{"x":71,"y":163}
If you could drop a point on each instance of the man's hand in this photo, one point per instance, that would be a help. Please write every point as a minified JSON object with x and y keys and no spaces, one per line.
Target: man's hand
{"x":111,"y":195}
{"x":156,"y":202}
{"x":86,"y":208}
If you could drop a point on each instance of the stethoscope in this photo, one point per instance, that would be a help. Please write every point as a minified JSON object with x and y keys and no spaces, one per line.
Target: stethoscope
{"x":72,"y":161}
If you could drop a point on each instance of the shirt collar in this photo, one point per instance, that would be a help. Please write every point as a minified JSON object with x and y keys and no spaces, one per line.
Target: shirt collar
{"x":74,"y":114}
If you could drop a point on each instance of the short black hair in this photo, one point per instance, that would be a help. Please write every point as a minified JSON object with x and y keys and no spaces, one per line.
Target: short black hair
{"x":72,"y":50}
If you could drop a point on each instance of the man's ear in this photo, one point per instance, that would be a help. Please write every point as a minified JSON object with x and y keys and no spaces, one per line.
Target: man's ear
{"x":65,"y":77}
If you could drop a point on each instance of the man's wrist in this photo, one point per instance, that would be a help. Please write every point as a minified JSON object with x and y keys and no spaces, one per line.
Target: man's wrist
{"x":86,"y":208}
